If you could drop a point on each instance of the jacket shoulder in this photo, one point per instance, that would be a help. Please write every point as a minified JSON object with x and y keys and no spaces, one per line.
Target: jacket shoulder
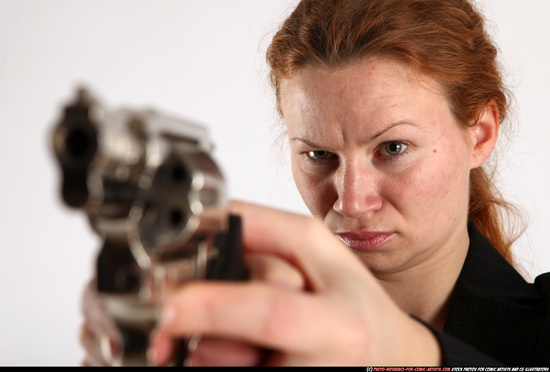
{"x":542,"y":286}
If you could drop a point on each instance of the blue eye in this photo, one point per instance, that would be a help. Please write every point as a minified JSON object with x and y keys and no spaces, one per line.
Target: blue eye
{"x":319,"y":154}
{"x":392,"y":148}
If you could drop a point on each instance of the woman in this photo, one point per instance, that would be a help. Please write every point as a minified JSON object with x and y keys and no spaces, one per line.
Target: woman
{"x":392,"y":108}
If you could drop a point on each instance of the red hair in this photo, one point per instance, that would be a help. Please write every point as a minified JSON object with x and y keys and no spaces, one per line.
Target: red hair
{"x":444,"y":39}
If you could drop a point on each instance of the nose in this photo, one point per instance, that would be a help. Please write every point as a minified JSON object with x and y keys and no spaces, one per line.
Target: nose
{"x":357,"y":188}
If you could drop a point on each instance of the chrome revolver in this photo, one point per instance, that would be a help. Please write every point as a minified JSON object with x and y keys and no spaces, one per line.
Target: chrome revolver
{"x":153,"y":193}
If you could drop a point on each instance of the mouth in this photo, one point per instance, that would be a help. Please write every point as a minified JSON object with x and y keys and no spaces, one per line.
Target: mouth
{"x":365,"y":241}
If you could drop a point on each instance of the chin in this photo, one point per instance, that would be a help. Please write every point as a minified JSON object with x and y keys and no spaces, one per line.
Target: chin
{"x":383,"y":263}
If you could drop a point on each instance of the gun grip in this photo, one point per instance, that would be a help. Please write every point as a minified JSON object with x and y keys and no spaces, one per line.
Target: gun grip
{"x":228,"y":265}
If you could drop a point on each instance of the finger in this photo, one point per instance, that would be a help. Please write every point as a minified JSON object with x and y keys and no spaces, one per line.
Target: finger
{"x":303,"y":241}
{"x":274,"y":270}
{"x":216,"y":352}
{"x":262,"y":267}
{"x":161,"y":349}
{"x":252,"y":312}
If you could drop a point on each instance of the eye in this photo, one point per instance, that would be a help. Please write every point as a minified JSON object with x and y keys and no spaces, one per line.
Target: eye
{"x":319,"y":155}
{"x":392,"y":148}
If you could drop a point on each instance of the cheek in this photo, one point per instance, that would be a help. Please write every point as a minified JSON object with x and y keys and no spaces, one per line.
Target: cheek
{"x":435,"y":189}
{"x":317,"y":194}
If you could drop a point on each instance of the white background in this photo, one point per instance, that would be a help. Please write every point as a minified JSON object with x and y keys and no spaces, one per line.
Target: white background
{"x":202,"y":60}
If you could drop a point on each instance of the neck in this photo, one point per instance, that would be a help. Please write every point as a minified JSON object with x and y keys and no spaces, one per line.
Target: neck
{"x":425,"y":291}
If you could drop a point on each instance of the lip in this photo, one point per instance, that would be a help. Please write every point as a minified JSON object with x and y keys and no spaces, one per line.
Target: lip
{"x":365,"y":240}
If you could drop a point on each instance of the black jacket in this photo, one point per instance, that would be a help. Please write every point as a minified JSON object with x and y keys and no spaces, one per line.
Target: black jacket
{"x":495,"y":316}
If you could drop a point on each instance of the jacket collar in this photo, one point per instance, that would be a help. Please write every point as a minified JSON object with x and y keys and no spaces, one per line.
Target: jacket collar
{"x":487,"y":273}
{"x":493,"y":308}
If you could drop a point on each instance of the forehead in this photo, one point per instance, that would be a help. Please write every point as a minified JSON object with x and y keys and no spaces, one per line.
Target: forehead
{"x":379,"y":75}
{"x":373,"y":91}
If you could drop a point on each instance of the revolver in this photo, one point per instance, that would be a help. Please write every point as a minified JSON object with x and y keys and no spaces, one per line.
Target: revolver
{"x":152,"y":192}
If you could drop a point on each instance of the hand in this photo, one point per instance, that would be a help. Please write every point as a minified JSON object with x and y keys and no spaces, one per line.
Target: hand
{"x":216,"y":351}
{"x":102,"y":341}
{"x":340,"y":315}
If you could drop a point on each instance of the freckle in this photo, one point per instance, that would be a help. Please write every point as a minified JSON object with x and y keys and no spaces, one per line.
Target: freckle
{"x":435,"y":151}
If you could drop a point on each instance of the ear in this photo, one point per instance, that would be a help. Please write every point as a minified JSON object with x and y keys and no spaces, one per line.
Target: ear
{"x":484,"y":134}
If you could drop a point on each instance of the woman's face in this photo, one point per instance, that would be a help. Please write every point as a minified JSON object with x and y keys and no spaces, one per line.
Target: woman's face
{"x":377,"y":155}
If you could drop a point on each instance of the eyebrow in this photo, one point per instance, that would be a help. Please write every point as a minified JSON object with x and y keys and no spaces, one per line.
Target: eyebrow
{"x":304,"y":141}
{"x":392,"y":125}
{"x":371,"y":138}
